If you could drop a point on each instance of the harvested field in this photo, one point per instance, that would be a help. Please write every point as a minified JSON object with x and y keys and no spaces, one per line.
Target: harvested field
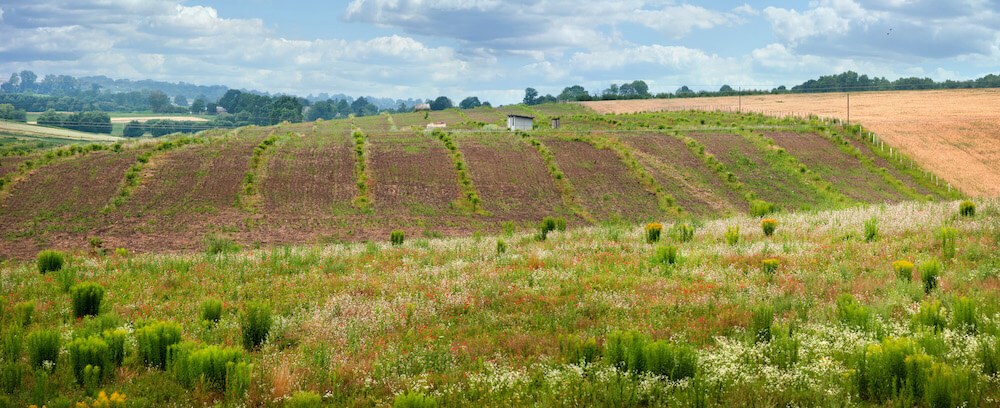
{"x":954,"y":133}
{"x":697,"y":189}
{"x":845,"y":172}
{"x":511,"y":178}
{"x":602,"y":182}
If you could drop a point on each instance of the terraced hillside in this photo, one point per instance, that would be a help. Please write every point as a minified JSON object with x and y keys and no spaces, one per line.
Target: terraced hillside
{"x":358,"y":179}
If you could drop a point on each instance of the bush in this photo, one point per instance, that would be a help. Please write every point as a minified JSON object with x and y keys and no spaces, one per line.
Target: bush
{"x":768,"y":225}
{"x":49,"y":261}
{"x":967,"y":209}
{"x":414,"y":400}
{"x":947,"y":236}
{"x":215,"y":245}
{"x":851,"y":313}
{"x":760,"y":324}
{"x":12,"y":344}
{"x":211,"y":365}
{"x":760,"y":208}
{"x":669,"y":360}
{"x":116,"y":345}
{"x":304,"y":399}
{"x":501,"y":247}
{"x":89,"y":359}
{"x":871,"y":229}
{"x":560,"y":224}
{"x":733,"y":235}
{"x":87,"y":298}
{"x":547,"y":225}
{"x":397,"y":237}
{"x":653,"y":231}
{"x":211,"y":310}
{"x":665,"y":255}
{"x":903,"y":269}
{"x":579,"y":351}
{"x":154,"y":340}
{"x":881,"y":370}
{"x":43,"y":345}
{"x":256,"y":324}
{"x":684,"y":232}
{"x":238,"y":379}
{"x":66,"y":278}
{"x":963,"y":315}
{"x":929,"y":271}
{"x":23,"y":312}
{"x":931,"y":315}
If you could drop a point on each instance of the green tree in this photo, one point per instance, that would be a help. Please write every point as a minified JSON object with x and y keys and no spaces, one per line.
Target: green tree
{"x":180,"y":100}
{"x":198,"y":106}
{"x":469,"y":103}
{"x":28,"y":79}
{"x":158,"y":101}
{"x":573,"y":93}
{"x":321,"y":110}
{"x":530,"y":96}
{"x":7,"y":112}
{"x":441,"y":103}
{"x":229,"y":100}
{"x":286,"y":108}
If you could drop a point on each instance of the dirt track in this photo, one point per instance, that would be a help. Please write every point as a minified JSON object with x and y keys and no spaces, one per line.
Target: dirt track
{"x":954,"y":133}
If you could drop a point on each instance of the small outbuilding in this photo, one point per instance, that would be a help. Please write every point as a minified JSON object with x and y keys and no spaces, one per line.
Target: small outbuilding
{"x":421,"y":107}
{"x":519,"y":122}
{"x":555,"y":122}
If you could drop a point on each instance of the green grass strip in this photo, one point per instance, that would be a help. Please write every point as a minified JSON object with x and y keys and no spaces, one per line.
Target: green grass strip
{"x":782,"y":161}
{"x":565,"y":186}
{"x":847,"y":148}
{"x":392,"y":122}
{"x":469,"y":193}
{"x":134,"y":173}
{"x":362,"y":200}
{"x":250,"y":196}
{"x":728,"y":177}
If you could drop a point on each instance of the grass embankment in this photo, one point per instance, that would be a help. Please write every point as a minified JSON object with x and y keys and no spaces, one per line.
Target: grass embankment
{"x":816,"y":314}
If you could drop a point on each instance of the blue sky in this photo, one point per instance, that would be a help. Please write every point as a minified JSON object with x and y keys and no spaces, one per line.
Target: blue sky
{"x":494,"y":49}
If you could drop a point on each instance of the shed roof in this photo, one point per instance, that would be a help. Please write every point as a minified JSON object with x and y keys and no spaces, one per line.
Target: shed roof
{"x":520,"y":116}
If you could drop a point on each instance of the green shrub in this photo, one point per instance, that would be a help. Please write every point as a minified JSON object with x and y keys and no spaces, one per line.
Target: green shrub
{"x":501,"y":247}
{"x":238,"y":379}
{"x":967,"y":209}
{"x":684,"y":232}
{"x":210,"y":365}
{"x":560,"y":224}
{"x":215,"y":245}
{"x":871,"y":229}
{"x":770,"y":266}
{"x":211,"y":310}
{"x":87,"y":299}
{"x":116,"y":345}
{"x":929,"y":272}
{"x":43,"y":345}
{"x":578,"y":350}
{"x":66,"y":278}
{"x":963,"y":315}
{"x":414,"y":400}
{"x":852,"y":313}
{"x":760,"y":324}
{"x":547,"y":225}
{"x":733,"y":235}
{"x":931,"y":315}
{"x":947,"y":236}
{"x":881,"y":371}
{"x":11,"y":375}
{"x":23,"y":312}
{"x":625,"y":351}
{"x":50,"y":261}
{"x":12,"y":344}
{"x":653,"y":231}
{"x":768,"y":226}
{"x":304,"y":399}
{"x":256,"y":323}
{"x":903,"y":270}
{"x":760,"y":208}
{"x":154,"y":340}
{"x":665,"y":255}
{"x":670,"y":360}
{"x":989,"y":357}
{"x":397,"y":237}
{"x":89,"y":352}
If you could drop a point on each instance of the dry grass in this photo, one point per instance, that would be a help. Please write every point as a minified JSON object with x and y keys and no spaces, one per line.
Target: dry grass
{"x":954,"y":133}
{"x":27,"y":130}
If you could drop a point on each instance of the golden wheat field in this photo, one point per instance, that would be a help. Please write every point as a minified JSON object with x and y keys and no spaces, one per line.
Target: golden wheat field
{"x":954,"y":133}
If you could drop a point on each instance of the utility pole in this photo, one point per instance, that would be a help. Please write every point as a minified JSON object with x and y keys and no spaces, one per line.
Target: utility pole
{"x":848,"y":108}
{"x":740,"y":99}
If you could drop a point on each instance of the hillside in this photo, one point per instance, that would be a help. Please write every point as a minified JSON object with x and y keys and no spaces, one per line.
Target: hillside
{"x":953,"y":133}
{"x":592,"y":316}
{"x":299,"y":183}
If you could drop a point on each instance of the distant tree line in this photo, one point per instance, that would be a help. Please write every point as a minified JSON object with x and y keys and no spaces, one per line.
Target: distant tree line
{"x":8,"y":112}
{"x":93,"y":122}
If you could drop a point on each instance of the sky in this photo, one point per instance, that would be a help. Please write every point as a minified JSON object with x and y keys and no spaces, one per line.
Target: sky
{"x":495,"y":49}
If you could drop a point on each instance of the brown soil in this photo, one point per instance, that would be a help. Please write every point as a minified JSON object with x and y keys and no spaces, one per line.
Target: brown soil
{"x":413,"y":176}
{"x":845,"y":172}
{"x":695,"y":187}
{"x":881,"y":162}
{"x":954,"y":133}
{"x":511,"y":178}
{"x":10,"y":164}
{"x":309,"y":178}
{"x":602,"y":182}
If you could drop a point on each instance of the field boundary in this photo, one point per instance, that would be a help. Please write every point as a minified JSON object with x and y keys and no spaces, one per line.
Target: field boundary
{"x":250,"y":196}
{"x":566,"y":189}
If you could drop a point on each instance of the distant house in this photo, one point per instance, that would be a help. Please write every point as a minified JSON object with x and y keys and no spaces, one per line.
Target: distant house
{"x":519,"y":122}
{"x":220,"y":110}
{"x":437,"y":125}
{"x":421,"y":107}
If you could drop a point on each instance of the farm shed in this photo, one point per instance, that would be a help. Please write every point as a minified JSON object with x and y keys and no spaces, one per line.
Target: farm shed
{"x":519,"y":122}
{"x":554,"y":122}
{"x":421,"y":107}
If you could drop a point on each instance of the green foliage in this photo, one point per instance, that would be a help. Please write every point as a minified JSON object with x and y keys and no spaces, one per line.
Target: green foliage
{"x":211,"y":310}
{"x":547,"y":225}
{"x":929,"y":272}
{"x":66,"y":277}
{"x":116,"y":345}
{"x":560,"y":224}
{"x":653,"y":231}
{"x":760,"y":208}
{"x":964,"y":316}
{"x":256,"y":324}
{"x":947,"y":236}
{"x":43,"y":345}
{"x":903,"y":269}
{"x":396,"y":237}
{"x":770,"y":265}
{"x":237,"y":379}
{"x":215,"y":245}
{"x":50,"y":260}
{"x":768,"y":226}
{"x":11,"y":376}
{"x":210,"y":365}
{"x":23,"y":312}
{"x":577,"y":350}
{"x":931,"y":315}
{"x":871,"y":229}
{"x":414,"y":400}
{"x":683,"y":232}
{"x":11,"y":344}
{"x":154,"y":340}
{"x":967,"y":209}
{"x":989,"y":357}
{"x":665,"y":255}
{"x":760,"y":324}
{"x":89,"y":358}
{"x":304,"y":399}
{"x":634,"y":353}
{"x":87,"y":299}
{"x":852,"y":313}
{"x":733,"y":235}
{"x":501,"y":247}
{"x":881,"y":371}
